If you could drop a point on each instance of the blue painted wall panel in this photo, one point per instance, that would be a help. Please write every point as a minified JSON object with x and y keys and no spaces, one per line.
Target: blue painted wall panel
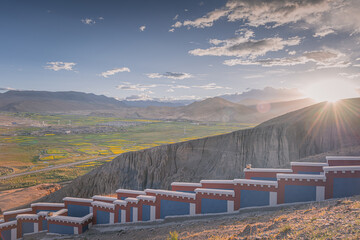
{"x":6,"y":235}
{"x":295,"y":193}
{"x":102,"y":217}
{"x":37,"y":211}
{"x":119,"y":218}
{"x":146,"y":213}
{"x":317,"y":173}
{"x":264,"y":178}
{"x":173,"y":208}
{"x":44,"y":224}
{"x":55,"y":228}
{"x":252,"y":198}
{"x":213,"y":205}
{"x":85,"y":228}
{"x":346,"y":187}
{"x":78,"y":210}
{"x":27,"y":227}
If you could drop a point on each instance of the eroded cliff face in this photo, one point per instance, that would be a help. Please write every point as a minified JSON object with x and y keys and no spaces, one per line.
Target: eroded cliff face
{"x":275,"y":143}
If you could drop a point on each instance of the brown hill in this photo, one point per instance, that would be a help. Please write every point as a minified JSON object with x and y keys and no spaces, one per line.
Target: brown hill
{"x":291,"y":137}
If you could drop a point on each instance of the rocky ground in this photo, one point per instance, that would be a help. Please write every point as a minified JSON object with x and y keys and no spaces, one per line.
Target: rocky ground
{"x":333,"y":219}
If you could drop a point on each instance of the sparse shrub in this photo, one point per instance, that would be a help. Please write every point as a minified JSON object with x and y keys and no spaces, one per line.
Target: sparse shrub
{"x":173,"y":235}
{"x":285,"y":229}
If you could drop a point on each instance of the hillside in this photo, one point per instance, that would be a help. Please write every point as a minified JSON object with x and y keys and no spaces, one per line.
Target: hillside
{"x":294,"y":136}
{"x":44,"y":101}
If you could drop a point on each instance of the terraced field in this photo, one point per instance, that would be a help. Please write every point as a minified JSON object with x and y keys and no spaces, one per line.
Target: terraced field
{"x":26,"y":147}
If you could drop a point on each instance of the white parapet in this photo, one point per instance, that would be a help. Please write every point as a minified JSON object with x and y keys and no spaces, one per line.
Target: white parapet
{"x":255,"y":182}
{"x":146,"y":198}
{"x":186,"y":184}
{"x":68,"y":219}
{"x":73,"y":199}
{"x":217,"y":181}
{"x":341,"y":169}
{"x":301,"y":177}
{"x":103,"y":198}
{"x":131,"y":200}
{"x":103,"y":205}
{"x":120,"y":202}
{"x":280,"y":170}
{"x":19,"y":211}
{"x":345,"y":158}
{"x":309,"y":164}
{"x":213,"y":191}
{"x":171,"y":193}
{"x":45,"y":204}
{"x":129,"y":191}
{"x":7,"y":224}
{"x":27,"y":217}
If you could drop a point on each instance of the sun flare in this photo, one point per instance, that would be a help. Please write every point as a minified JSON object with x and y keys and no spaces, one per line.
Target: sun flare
{"x":330,"y":91}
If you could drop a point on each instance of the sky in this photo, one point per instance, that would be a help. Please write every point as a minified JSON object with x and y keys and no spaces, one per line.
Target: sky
{"x":185,"y":49}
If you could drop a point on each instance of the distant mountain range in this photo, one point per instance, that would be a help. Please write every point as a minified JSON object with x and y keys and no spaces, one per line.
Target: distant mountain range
{"x":211,"y":110}
{"x":268,"y":94}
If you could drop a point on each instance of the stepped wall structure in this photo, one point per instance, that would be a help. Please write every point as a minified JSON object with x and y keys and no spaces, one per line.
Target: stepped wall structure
{"x":304,"y":182}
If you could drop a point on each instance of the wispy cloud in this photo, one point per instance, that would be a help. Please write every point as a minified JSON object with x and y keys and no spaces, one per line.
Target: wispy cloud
{"x":6,"y":88}
{"x":245,"y":47}
{"x":170,"y":75}
{"x":56,"y":66}
{"x":210,"y":86}
{"x":135,"y":87}
{"x":258,"y":12}
{"x":88,"y":21}
{"x":114,"y":71}
{"x":176,"y":17}
{"x":323,"y":59}
{"x":142,"y":28}
{"x":323,"y":32}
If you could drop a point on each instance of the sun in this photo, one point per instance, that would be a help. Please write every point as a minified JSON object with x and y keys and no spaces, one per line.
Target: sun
{"x":331,"y":90}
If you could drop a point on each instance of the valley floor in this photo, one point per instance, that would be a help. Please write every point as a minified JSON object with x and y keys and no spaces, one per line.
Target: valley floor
{"x":332,"y":219}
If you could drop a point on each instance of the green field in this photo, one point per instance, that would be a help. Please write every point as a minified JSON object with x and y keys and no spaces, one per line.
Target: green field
{"x":26,"y":153}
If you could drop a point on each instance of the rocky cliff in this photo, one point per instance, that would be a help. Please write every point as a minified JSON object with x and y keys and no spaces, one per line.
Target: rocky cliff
{"x":297,"y":135}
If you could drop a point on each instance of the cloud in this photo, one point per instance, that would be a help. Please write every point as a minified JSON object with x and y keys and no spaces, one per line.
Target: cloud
{"x":140,"y":97}
{"x":323,"y":32}
{"x":323,"y":59}
{"x":177,"y":24}
{"x":142,"y":28}
{"x":254,"y":76}
{"x":292,"y":52}
{"x":114,"y":71}
{"x":176,"y":17}
{"x":6,"y":89}
{"x":350,"y":76}
{"x":245,"y":47}
{"x":207,"y":20}
{"x":170,"y":75}
{"x":56,"y":66}
{"x":88,"y":21}
{"x":211,"y":86}
{"x":171,"y":29}
{"x":101,"y":18}
{"x":258,"y":12}
{"x":135,"y":87}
